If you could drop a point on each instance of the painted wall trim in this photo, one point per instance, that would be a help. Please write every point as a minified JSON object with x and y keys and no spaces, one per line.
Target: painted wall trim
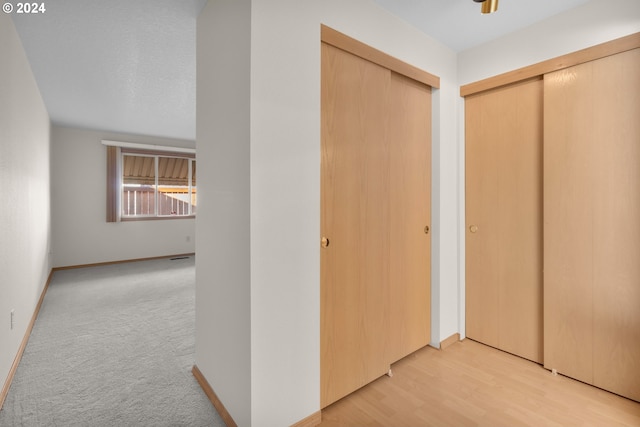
{"x":602,"y":50}
{"x":23,"y":345}
{"x":139,"y":146}
{"x":311,"y":421}
{"x":213,"y":398}
{"x":449,"y":341}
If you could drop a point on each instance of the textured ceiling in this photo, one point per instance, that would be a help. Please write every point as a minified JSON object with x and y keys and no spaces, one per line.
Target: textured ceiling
{"x":129,"y":65}
{"x":117,"y":65}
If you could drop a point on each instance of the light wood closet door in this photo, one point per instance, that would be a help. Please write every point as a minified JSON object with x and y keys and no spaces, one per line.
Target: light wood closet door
{"x":376,"y":205}
{"x":504,"y":218}
{"x":592,"y":222}
{"x":410,"y":212}
{"x":354,"y":266}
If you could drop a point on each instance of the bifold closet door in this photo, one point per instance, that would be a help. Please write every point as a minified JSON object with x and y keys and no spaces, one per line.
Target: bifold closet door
{"x":504,"y":218}
{"x":592,"y":222}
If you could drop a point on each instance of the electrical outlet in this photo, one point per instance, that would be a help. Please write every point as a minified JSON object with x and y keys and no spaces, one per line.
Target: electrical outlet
{"x":13,"y":312}
{"x":188,"y":238}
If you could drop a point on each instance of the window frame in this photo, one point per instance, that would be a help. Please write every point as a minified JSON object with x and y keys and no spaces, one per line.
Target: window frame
{"x":115,"y":157}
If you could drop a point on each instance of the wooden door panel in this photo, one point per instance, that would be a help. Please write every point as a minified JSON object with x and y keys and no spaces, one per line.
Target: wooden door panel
{"x":568,"y":222}
{"x":481,"y":240}
{"x":354,"y":198}
{"x":592,"y":232}
{"x":616,"y":223}
{"x":409,"y":135}
{"x":519,"y":217}
{"x":504,"y":218}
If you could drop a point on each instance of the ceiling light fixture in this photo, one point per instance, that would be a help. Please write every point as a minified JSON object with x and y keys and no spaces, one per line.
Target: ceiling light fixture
{"x":488,"y":6}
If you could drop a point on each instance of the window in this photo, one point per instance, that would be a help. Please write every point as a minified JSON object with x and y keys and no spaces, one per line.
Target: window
{"x":150,"y":184}
{"x":157,"y":186}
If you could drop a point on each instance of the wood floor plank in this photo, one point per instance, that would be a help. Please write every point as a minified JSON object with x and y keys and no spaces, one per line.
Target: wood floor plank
{"x":471,"y":384}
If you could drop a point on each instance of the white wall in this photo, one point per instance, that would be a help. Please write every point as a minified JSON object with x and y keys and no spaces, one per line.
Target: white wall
{"x":80,"y":233}
{"x":585,"y":26}
{"x":223,"y":334}
{"x":25,"y":224}
{"x":283,"y":284}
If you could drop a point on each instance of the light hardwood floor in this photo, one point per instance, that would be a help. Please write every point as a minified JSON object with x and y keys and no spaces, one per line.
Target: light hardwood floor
{"x":470,"y":384}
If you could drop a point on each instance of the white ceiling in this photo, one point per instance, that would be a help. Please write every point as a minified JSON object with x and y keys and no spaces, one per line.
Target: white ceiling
{"x":118,"y":65}
{"x":129,"y":65}
{"x":460,"y":25}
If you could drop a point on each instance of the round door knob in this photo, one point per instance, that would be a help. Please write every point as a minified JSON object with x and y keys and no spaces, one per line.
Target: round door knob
{"x":473,"y":228}
{"x":324,"y":242}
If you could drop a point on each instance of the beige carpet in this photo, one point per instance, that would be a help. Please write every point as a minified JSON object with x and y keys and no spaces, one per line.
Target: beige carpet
{"x":113,"y":346}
